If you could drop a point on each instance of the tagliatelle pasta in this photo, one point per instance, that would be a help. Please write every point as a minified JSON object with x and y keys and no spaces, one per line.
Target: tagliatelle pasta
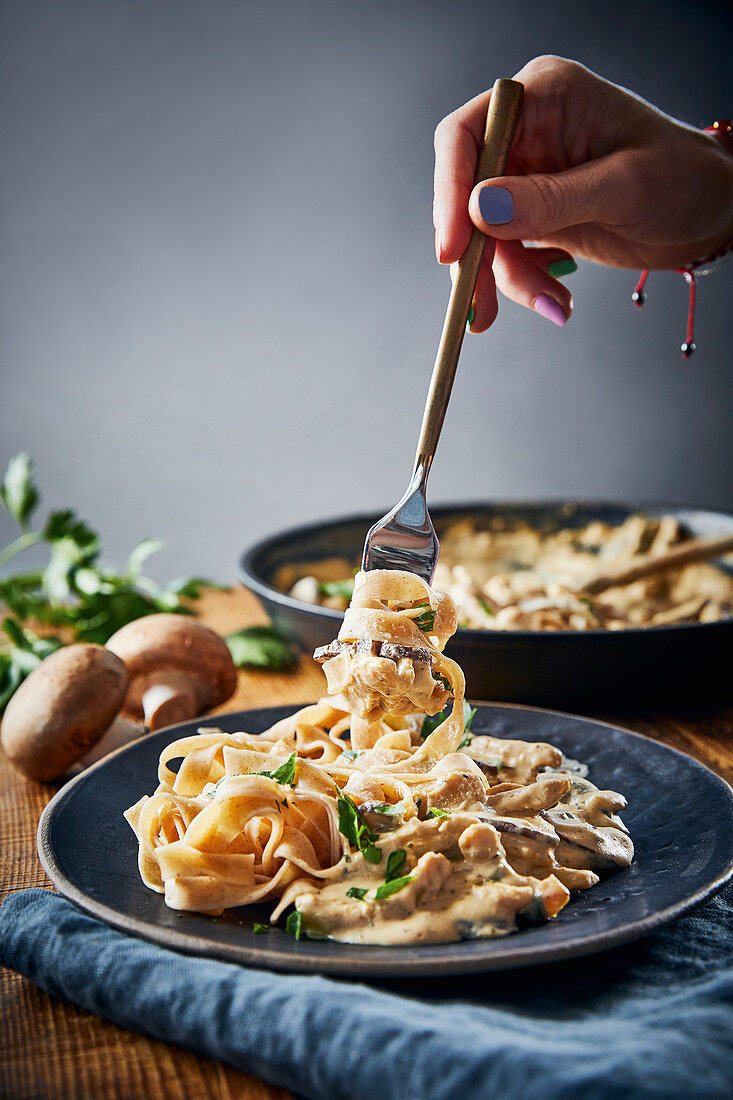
{"x":374,"y":812}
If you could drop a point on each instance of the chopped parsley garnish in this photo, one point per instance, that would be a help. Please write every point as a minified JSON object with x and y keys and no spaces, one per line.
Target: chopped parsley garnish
{"x":536,"y":909}
{"x":212,"y":792}
{"x":395,"y":864}
{"x":426,"y":620}
{"x":392,"y":887}
{"x":386,"y":809}
{"x":349,"y":755}
{"x":357,"y":892}
{"x":260,"y":929}
{"x":285,"y":774}
{"x":489,"y":610}
{"x":431,"y":723}
{"x":353,"y":826}
{"x":435,"y":812}
{"x":294,"y":924}
{"x":344,"y":589}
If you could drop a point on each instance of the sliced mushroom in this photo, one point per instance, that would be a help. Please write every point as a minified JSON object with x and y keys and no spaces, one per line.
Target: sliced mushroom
{"x":588,"y":846}
{"x":178,"y":668}
{"x":519,"y":801}
{"x":66,"y":712}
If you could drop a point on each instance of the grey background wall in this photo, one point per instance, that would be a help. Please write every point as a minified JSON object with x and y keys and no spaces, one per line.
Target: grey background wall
{"x":219,"y":297}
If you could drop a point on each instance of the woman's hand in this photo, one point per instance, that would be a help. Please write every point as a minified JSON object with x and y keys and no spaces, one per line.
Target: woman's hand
{"x":594,"y":171}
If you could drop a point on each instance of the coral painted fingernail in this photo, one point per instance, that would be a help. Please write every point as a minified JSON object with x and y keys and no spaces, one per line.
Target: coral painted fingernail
{"x":496,"y":205}
{"x":562,"y":267}
{"x":548,"y":307}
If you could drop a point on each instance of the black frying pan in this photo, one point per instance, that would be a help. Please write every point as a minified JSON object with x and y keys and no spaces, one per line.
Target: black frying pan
{"x":683,"y":663}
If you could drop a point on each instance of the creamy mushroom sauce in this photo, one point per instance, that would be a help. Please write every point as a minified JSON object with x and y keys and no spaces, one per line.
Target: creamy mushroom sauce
{"x":376,"y":813}
{"x":514,"y":577}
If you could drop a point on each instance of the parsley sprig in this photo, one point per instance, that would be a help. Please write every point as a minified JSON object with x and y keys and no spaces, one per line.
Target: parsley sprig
{"x":74,"y":589}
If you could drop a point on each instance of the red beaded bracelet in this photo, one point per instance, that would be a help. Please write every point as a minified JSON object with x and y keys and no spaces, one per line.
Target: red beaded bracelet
{"x":723,"y":128}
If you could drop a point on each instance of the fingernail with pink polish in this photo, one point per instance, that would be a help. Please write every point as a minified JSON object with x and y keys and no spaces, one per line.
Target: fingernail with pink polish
{"x":548,"y":307}
{"x":437,"y":245}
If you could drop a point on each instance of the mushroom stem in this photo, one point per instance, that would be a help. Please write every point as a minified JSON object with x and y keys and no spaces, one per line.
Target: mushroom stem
{"x":169,"y":696}
{"x":121,"y":732}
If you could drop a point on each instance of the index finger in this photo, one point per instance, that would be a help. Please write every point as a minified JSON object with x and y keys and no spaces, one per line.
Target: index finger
{"x":457,"y":142}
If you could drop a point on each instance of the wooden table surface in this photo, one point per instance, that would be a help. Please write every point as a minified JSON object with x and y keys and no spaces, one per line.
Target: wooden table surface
{"x":50,"y":1049}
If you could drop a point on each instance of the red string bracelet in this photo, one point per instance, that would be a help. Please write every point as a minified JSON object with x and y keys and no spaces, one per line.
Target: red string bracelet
{"x":700,"y":267}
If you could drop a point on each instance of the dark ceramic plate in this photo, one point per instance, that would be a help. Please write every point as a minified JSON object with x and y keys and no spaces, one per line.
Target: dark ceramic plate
{"x":680,"y":816}
{"x":652,"y":665}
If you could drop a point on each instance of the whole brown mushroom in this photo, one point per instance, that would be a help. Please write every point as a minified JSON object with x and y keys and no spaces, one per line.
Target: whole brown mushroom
{"x":178,"y":668}
{"x":66,"y":712}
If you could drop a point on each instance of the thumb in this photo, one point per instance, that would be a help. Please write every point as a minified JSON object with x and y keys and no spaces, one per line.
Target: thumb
{"x":532,"y":207}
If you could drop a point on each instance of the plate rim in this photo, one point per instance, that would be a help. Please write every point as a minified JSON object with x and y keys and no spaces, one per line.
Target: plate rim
{"x":364,"y":966}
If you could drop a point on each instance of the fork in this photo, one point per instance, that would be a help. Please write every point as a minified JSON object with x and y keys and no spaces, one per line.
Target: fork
{"x":405,"y":538}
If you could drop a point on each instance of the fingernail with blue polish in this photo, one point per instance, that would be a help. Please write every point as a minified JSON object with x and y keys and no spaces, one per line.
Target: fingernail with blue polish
{"x":496,"y":205}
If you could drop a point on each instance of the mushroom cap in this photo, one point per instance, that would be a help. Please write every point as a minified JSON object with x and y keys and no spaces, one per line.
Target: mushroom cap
{"x":62,"y":709}
{"x":178,"y":644}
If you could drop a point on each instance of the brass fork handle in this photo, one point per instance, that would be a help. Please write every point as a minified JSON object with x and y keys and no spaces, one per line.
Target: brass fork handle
{"x":501,"y":122}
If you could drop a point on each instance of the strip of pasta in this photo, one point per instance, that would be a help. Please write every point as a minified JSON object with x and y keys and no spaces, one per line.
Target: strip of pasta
{"x":375,"y":812}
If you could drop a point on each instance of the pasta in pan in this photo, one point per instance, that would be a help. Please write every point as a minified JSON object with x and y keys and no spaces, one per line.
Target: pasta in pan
{"x":375,"y":813}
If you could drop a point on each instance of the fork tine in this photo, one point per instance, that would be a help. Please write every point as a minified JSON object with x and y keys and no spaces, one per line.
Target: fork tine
{"x":405,"y":538}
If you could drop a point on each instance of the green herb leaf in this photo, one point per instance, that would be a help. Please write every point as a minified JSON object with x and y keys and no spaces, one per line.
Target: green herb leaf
{"x":344,"y":589}
{"x":426,"y":621}
{"x":435,"y":812}
{"x":392,"y":887}
{"x":387,"y":809}
{"x":349,"y":755}
{"x":353,"y":826}
{"x":486,"y":607}
{"x":395,"y":863}
{"x":294,"y":924}
{"x":192,"y":587}
{"x":285,"y":774}
{"x":535,"y":910}
{"x":261,"y":647}
{"x":260,"y":929}
{"x":66,"y":524}
{"x":431,"y":723}
{"x":26,"y":653}
{"x":356,"y":892}
{"x":18,"y":491}
{"x":139,"y":555}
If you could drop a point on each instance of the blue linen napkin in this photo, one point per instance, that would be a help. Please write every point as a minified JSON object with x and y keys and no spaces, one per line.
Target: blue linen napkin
{"x":652,"y":1019}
